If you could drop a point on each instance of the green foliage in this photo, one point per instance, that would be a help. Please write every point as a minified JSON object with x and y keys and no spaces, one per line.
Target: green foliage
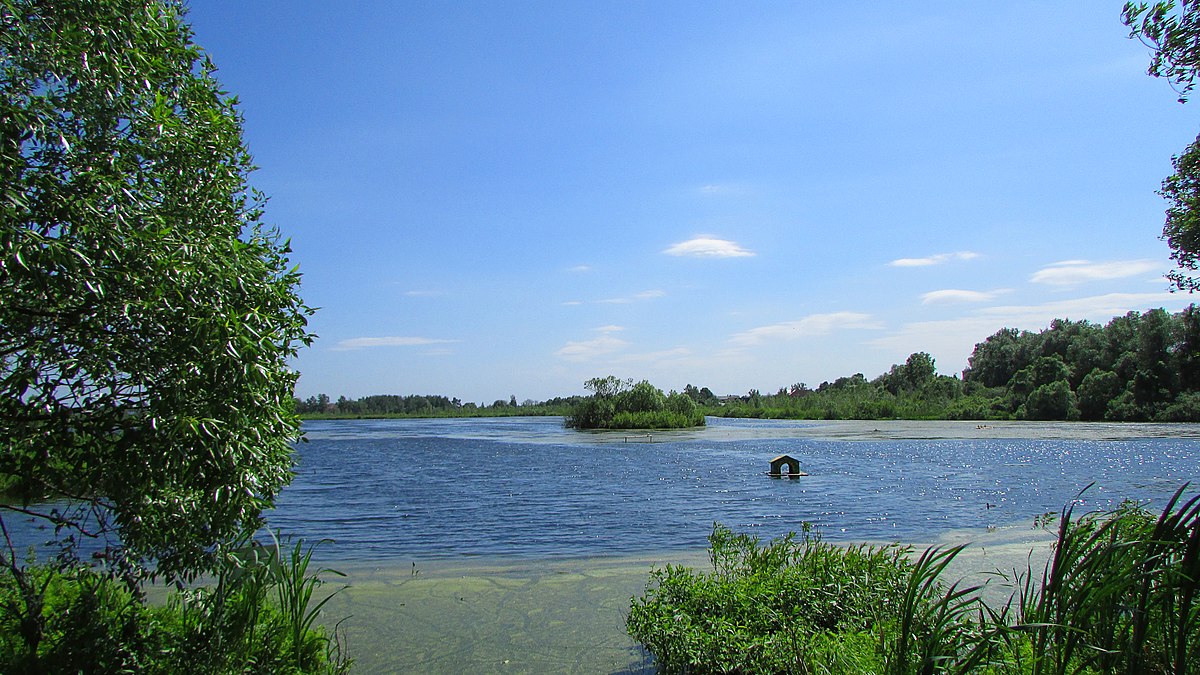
{"x":1135,"y":368}
{"x":423,"y":406}
{"x":621,"y":404}
{"x":1118,"y":595}
{"x":911,"y":391}
{"x":147,"y":320}
{"x":147,"y":316}
{"x":783,"y":606}
{"x":1174,"y":35}
{"x":251,"y":619}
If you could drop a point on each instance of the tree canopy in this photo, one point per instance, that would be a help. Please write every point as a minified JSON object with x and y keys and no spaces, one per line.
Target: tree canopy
{"x":623,"y":404}
{"x":147,"y":314}
{"x":1173,"y":33}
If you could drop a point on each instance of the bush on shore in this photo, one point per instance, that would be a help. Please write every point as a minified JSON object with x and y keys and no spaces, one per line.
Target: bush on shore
{"x":1118,"y":595}
{"x":257,"y":616}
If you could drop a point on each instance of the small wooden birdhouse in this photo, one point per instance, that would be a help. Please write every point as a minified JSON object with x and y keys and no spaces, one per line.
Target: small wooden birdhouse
{"x":785,"y":465}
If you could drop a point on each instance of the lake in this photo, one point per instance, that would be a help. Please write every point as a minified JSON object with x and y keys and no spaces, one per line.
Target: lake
{"x":527,"y":487}
{"x":513,"y":545}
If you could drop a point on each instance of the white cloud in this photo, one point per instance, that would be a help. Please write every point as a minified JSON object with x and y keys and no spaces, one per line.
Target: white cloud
{"x":423,"y":293}
{"x":708,"y":246}
{"x":937,"y":259}
{"x":1071,"y":272}
{"x":584,"y":350}
{"x":609,"y":329}
{"x":954,"y":295}
{"x":390,"y":341}
{"x":722,"y":189}
{"x":814,"y":324}
{"x":643,"y":295}
{"x":657,"y":358}
{"x":951,"y":341}
{"x":1099,"y":308}
{"x":579,"y":269}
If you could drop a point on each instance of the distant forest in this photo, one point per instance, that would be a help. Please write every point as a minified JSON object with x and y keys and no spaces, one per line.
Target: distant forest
{"x":1137,"y":368}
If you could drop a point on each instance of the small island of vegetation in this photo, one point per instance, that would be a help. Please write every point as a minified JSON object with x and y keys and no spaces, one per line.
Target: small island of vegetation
{"x":621,"y":404}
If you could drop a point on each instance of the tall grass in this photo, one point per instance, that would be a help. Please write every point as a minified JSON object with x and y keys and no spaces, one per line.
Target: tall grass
{"x":256,"y":615}
{"x":1118,"y":595}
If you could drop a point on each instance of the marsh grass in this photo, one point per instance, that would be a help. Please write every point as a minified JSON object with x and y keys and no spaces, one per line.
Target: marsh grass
{"x":256,"y":614}
{"x":1118,"y":595}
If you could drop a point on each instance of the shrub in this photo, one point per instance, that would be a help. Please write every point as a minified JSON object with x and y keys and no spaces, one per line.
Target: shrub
{"x":1120,"y":594}
{"x":774,"y":607}
{"x":256,"y":617}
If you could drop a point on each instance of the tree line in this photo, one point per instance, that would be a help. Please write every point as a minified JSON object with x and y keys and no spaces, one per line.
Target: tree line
{"x":1139,"y":367}
{"x":427,"y":405}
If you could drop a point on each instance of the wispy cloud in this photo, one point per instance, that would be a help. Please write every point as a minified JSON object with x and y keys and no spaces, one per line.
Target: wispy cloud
{"x":936,"y":259}
{"x":643,"y":295}
{"x":1071,"y":272}
{"x":952,"y":340}
{"x":814,"y":324}
{"x":580,"y":269}
{"x":722,"y":189}
{"x":954,"y":295}
{"x":1093,"y":308}
{"x":389,"y":341}
{"x":423,"y":293}
{"x":585,"y":350}
{"x":657,"y":358}
{"x":707,"y":246}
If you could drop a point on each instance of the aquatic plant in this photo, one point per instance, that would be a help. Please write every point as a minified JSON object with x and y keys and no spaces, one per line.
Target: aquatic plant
{"x":256,"y":615}
{"x":1118,"y":595}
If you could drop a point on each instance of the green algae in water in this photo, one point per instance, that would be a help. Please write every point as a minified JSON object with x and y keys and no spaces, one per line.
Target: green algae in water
{"x":558,"y":616}
{"x":521,"y":617}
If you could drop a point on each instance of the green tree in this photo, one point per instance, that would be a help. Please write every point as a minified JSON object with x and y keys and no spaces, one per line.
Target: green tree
{"x":1098,"y":388}
{"x":1053,"y":401}
{"x":641,"y":397}
{"x":1173,"y":33}
{"x":919,"y":369}
{"x":607,"y":387}
{"x":147,"y":315}
{"x":1182,"y":227}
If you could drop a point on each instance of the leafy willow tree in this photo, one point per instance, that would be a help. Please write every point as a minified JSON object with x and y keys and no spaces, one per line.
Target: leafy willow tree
{"x":1173,"y":33}
{"x":147,"y":314}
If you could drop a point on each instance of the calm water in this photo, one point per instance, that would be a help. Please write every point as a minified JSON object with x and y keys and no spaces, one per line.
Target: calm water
{"x":526,"y":487}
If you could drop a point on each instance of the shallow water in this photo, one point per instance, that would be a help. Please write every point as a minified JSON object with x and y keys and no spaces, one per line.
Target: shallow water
{"x":515,"y":546}
{"x":411,"y":490}
{"x":560,"y":616}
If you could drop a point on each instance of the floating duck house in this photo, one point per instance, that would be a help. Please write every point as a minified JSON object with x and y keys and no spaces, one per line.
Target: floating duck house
{"x":785,"y":465}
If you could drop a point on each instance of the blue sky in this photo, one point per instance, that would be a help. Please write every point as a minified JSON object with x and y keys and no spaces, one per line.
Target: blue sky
{"x":508,"y":198}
